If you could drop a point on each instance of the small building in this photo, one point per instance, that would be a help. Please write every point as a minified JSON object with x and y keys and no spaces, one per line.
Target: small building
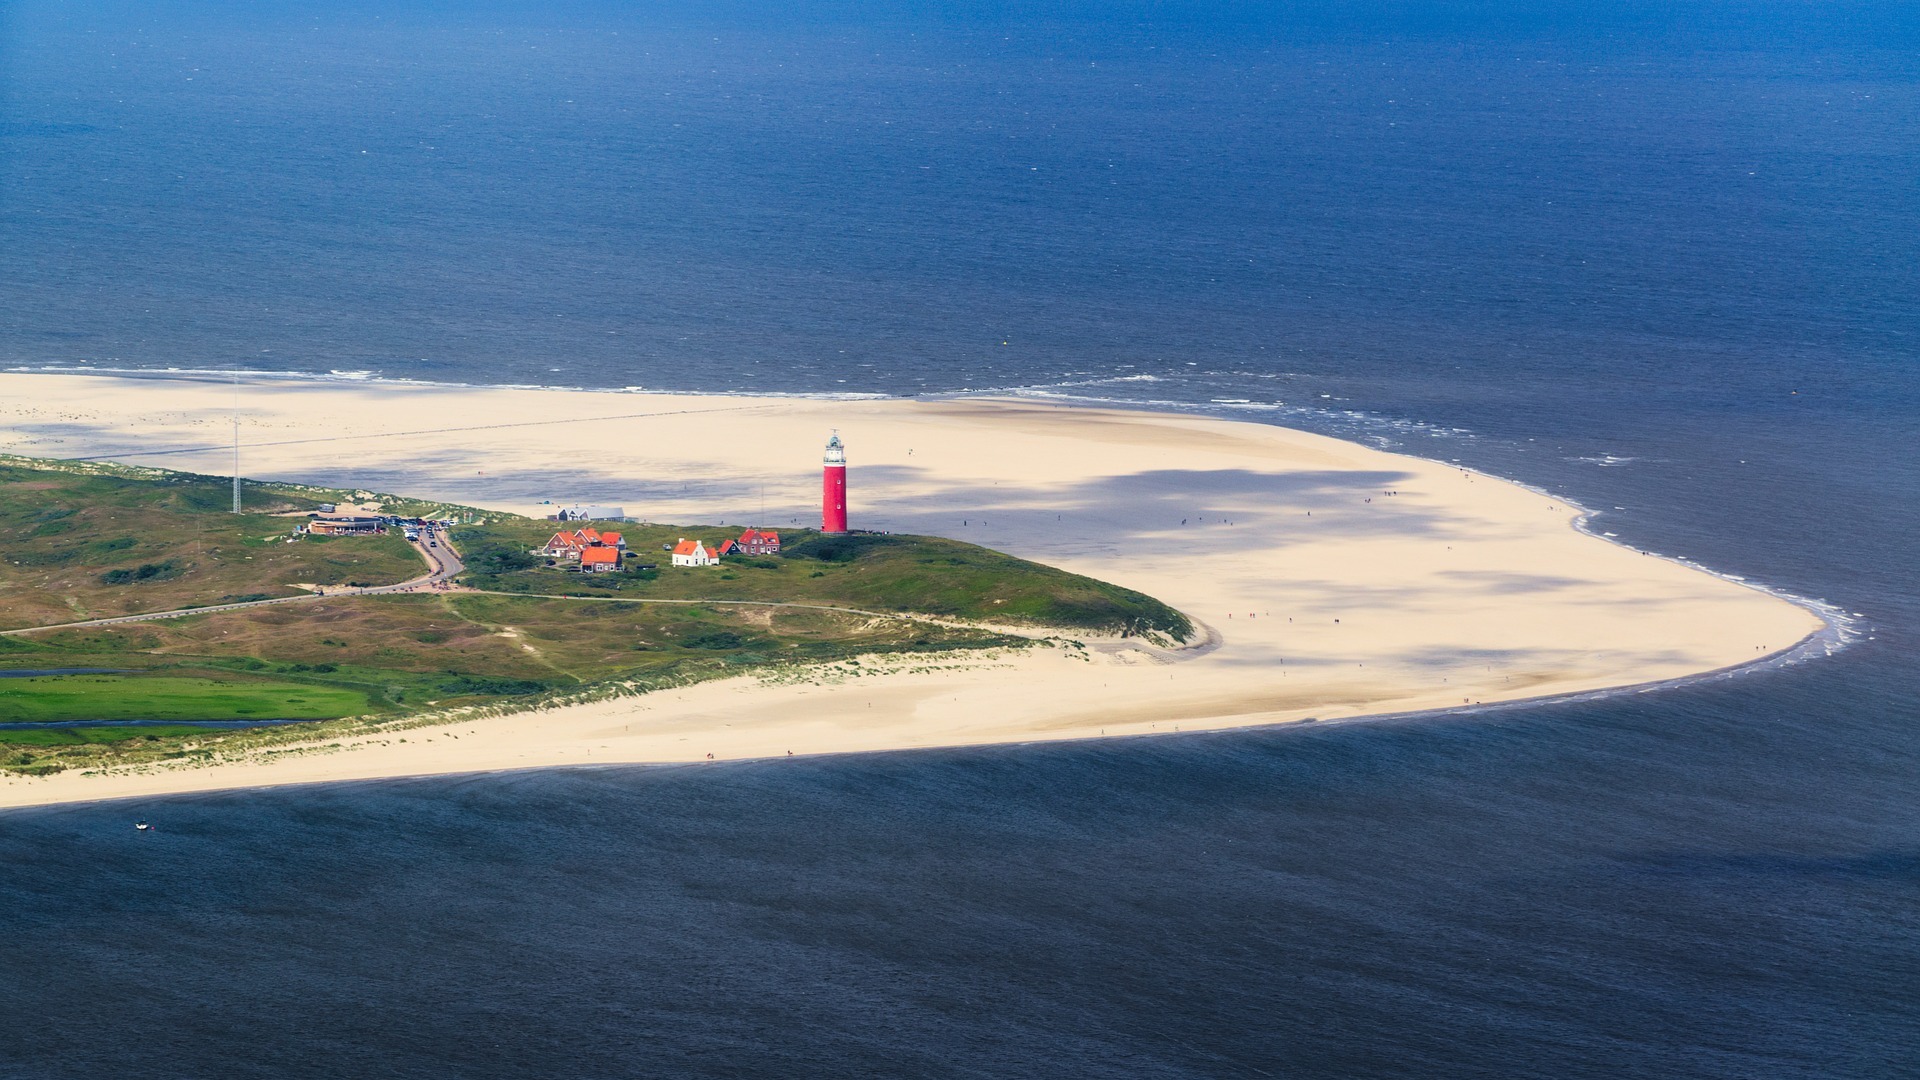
{"x":597,"y":560}
{"x":592,"y":513}
{"x":564,"y":545}
{"x":346,"y":525}
{"x":756,"y":542}
{"x":694,"y":553}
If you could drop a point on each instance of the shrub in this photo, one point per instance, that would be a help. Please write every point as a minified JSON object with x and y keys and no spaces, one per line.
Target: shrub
{"x":713,"y":639}
{"x":837,"y":548}
{"x":144,"y":572}
{"x":471,"y":684}
{"x":499,"y":557}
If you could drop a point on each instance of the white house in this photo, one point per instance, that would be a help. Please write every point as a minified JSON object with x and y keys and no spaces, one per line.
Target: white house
{"x":694,"y":553}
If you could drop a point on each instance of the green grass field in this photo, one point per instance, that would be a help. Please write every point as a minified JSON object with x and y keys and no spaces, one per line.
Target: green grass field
{"x":170,"y":697}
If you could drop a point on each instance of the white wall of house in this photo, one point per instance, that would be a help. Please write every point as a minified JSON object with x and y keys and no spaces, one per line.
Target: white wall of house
{"x":700,"y":557}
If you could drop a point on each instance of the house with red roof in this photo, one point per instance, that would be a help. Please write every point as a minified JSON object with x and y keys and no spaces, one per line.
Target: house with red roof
{"x":570,"y":546}
{"x":694,"y":553}
{"x":755,"y":542}
{"x":599,"y":559}
{"x":564,"y":545}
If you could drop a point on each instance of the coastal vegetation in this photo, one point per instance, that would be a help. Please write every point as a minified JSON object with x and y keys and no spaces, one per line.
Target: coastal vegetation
{"x":884,"y":573}
{"x":83,"y":541}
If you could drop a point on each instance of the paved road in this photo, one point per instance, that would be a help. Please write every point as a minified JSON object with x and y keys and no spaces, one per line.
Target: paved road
{"x":443,"y":563}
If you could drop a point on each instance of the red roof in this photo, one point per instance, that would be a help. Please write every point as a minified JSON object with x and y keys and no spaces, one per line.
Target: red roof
{"x":685,"y":547}
{"x":589,"y":535}
{"x":595,"y":556}
{"x":610,"y":539}
{"x":726,"y":546}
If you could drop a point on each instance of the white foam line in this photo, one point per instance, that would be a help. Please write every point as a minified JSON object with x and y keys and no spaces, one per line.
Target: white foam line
{"x":398,"y":380}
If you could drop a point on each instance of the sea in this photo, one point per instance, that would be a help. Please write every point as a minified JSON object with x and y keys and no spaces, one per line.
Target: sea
{"x":1662,"y":259}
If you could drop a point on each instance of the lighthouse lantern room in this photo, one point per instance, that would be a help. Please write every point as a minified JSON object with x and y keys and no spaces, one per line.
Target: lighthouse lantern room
{"x":833,"y":487}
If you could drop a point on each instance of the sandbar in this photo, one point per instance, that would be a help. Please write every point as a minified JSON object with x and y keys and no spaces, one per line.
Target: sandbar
{"x":1332,"y":580}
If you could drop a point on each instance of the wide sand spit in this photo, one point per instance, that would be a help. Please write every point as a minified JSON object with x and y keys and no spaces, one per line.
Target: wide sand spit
{"x":1330,"y":580}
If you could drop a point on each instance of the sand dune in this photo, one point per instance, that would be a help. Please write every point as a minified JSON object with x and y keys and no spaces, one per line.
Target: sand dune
{"x":1338,"y":580}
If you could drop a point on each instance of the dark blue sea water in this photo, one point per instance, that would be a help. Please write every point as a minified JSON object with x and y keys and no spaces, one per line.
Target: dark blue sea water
{"x":1663,"y":259}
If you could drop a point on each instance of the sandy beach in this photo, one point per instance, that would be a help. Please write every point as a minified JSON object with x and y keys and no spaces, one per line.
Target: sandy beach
{"x":1335,"y":580}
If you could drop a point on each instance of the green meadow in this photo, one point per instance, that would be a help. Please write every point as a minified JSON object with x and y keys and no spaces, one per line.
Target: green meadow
{"x":169,"y":697}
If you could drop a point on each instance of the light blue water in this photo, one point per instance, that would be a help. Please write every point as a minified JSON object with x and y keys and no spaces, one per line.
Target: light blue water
{"x":1659,"y":259}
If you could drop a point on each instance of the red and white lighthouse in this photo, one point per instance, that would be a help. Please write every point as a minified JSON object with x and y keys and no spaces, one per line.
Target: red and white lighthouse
{"x":833,"y":488}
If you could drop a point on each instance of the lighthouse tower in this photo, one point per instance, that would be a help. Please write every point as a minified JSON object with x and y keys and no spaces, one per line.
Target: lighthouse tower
{"x":833,"y":488}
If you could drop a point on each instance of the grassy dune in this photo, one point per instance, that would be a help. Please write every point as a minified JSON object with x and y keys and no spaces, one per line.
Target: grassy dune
{"x":18,"y":738}
{"x":82,"y":541}
{"x":924,"y":575}
{"x":88,"y":544}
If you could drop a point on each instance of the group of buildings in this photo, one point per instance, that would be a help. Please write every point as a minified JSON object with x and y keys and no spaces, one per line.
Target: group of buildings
{"x":752,"y":542}
{"x":328,"y":521}
{"x":594,"y":551}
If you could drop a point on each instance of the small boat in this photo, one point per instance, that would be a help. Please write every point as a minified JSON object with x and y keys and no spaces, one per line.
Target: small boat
{"x":142,"y":826}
